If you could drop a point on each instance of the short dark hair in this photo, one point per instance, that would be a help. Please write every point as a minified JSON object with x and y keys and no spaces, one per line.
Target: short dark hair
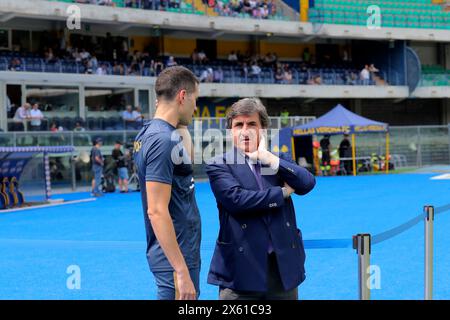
{"x":173,"y":79}
{"x":248,"y":106}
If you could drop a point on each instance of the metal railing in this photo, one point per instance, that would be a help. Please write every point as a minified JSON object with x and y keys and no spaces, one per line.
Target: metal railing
{"x":236,"y":75}
{"x":411,"y":147}
{"x":207,"y":123}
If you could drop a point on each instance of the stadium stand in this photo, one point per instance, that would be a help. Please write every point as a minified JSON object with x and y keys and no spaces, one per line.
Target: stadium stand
{"x":399,"y":14}
{"x":435,"y":75}
{"x":301,"y":72}
{"x":256,"y":9}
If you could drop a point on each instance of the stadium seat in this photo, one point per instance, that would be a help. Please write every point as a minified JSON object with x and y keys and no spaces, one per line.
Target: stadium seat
{"x":401,"y":14}
{"x":109,"y":123}
{"x":68,"y":123}
{"x":92,"y":123}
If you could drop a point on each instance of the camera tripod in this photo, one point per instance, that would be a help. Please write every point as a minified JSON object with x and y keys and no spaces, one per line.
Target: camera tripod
{"x":133,"y":182}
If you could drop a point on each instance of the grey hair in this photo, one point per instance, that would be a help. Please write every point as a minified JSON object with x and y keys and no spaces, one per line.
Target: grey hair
{"x":248,"y":106}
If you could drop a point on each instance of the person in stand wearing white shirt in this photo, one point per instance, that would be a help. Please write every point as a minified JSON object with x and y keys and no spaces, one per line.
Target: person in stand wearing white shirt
{"x":365,"y":75}
{"x":102,"y":70}
{"x":22,"y":114}
{"x":84,"y":54}
{"x":255,"y":70}
{"x":36,"y":117}
{"x":232,"y":57}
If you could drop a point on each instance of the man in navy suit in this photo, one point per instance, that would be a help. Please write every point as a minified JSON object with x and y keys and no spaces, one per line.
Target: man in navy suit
{"x":259,"y":253}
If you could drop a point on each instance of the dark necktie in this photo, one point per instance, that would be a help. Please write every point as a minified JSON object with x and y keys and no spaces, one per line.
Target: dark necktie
{"x":257,"y":173}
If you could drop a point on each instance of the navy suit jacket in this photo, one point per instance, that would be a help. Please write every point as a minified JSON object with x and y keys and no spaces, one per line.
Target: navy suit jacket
{"x":249,"y":216}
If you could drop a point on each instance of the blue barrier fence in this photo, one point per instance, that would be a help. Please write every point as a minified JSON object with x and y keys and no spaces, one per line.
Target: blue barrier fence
{"x":378,"y":238}
{"x":363,"y":243}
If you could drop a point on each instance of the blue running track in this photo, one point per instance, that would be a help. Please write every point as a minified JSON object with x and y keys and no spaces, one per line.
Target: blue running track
{"x":106,"y":239}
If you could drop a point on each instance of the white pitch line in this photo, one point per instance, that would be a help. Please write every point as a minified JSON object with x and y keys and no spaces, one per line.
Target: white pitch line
{"x":442,"y":177}
{"x":48,"y":205}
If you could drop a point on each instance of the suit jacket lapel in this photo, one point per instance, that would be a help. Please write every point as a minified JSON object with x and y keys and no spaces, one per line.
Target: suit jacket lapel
{"x":242,"y":169}
{"x":245,"y":175}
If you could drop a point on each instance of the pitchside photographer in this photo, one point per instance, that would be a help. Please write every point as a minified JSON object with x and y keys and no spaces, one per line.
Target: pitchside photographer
{"x":122,"y":160}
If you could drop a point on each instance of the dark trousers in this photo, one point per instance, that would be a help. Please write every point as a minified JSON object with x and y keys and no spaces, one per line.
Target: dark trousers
{"x":274,"y":285}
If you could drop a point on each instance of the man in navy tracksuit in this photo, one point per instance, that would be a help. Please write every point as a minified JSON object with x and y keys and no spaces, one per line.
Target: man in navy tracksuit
{"x":259,"y":252}
{"x":171,"y":215}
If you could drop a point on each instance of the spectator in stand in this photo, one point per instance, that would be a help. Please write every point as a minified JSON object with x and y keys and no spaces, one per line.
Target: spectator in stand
{"x":207,"y":75}
{"x":93,"y":62}
{"x":101,"y":70}
{"x":351,"y":78}
{"x":15,"y":65}
{"x":79,"y":127}
{"x":105,"y":3}
{"x":21,"y":116}
{"x":118,"y":69}
{"x":279,"y":76}
{"x":270,"y":59}
{"x":236,"y":8}
{"x":232,"y":57}
{"x":133,"y":70}
{"x":194,"y":56}
{"x":84,"y":54}
{"x":49,"y":56}
{"x":129,"y":117}
{"x":35,"y":117}
{"x":132,"y":3}
{"x":373,"y":71}
{"x":255,"y":70}
{"x":55,"y":128}
{"x":246,"y":7}
{"x":202,"y":58}
{"x":76,"y":55}
{"x":365,"y":75}
{"x":147,"y":65}
{"x":316,"y":80}
{"x":174,"y":4}
{"x":256,"y":13}
{"x":152,"y":69}
{"x":171,"y":62}
{"x":287,"y":75}
{"x":135,"y":57}
{"x":225,"y":9}
{"x":159,"y":66}
{"x":218,"y":75}
{"x":265,"y":11}
{"x":272,"y":7}
{"x":138,"y":117}
{"x":87,"y":66}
